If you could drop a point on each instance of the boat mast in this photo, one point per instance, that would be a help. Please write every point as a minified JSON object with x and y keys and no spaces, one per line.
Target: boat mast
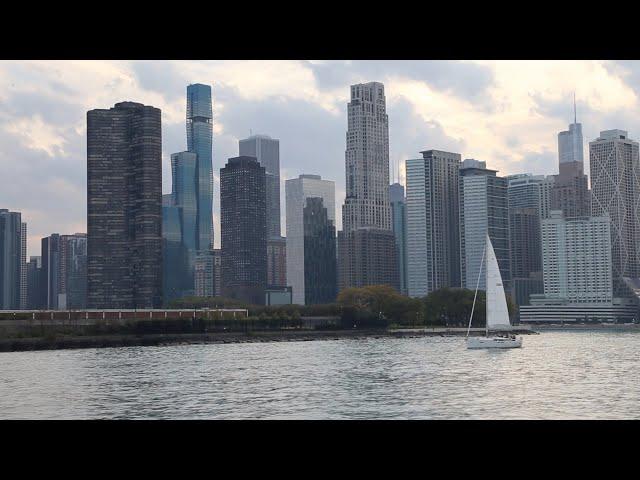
{"x":476,"y":294}
{"x":486,"y":289}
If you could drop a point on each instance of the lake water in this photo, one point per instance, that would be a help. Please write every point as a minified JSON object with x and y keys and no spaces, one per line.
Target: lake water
{"x":582,"y":375}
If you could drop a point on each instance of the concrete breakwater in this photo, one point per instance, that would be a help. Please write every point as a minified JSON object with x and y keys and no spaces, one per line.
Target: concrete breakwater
{"x":296,"y":335}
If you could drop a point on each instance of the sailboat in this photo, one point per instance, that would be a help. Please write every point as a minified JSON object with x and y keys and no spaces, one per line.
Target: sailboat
{"x":497,"y":312}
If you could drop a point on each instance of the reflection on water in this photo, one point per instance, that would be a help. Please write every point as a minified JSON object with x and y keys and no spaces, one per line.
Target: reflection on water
{"x":554,"y":375}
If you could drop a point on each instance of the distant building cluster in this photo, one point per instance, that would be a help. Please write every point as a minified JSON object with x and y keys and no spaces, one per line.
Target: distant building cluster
{"x":564,"y":251}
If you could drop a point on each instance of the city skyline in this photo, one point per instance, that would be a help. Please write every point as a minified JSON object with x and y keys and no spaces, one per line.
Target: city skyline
{"x":505,"y":113}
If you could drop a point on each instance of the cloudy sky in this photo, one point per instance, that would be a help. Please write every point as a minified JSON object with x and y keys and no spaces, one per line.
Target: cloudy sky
{"x":507,"y":113}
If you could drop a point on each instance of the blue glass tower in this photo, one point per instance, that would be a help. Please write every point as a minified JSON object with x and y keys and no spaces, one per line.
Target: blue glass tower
{"x":199,"y":141}
{"x":185,"y":195}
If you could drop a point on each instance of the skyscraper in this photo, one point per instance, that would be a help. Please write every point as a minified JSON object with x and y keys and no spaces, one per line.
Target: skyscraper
{"x":399,"y":225}
{"x":267,"y":151}
{"x":11,"y":259}
{"x":23,"y":266}
{"x":433,"y":242}
{"x":302,"y":260}
{"x":184,"y":195}
{"x":124,"y":207}
{"x":615,"y":190}
{"x":243,"y":227}
{"x":200,"y":141}
{"x":73,"y":258}
{"x":529,"y":203}
{"x":366,"y":211}
{"x":483,"y":210}
{"x":570,"y":192}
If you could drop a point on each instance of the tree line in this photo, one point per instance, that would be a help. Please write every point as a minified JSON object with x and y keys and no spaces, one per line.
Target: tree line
{"x":371,"y":306}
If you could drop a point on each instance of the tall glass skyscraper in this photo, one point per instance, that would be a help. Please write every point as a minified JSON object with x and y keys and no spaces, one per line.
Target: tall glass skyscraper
{"x":185,"y":195}
{"x":200,"y":141}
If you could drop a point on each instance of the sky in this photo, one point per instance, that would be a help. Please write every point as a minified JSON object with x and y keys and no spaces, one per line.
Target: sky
{"x":507,"y":113}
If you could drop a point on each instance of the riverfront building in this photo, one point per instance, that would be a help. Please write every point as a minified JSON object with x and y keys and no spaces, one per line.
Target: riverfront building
{"x":366,"y":213}
{"x":615,"y":189}
{"x":311,"y":245}
{"x":267,"y":151}
{"x":243,"y":229}
{"x":13,"y":241}
{"x":433,"y":241}
{"x":124,"y":207}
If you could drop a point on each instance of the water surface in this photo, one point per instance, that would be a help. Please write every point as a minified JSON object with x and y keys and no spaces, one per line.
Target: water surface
{"x":583,"y":375}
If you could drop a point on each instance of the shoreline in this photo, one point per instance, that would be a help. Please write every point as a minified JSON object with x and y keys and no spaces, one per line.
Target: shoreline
{"x":71,"y":342}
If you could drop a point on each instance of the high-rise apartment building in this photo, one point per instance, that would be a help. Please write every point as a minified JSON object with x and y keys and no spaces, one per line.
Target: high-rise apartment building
{"x":308,"y":244}
{"x":124,"y":207}
{"x":483,"y":210}
{"x":267,"y":151}
{"x":200,"y":142}
{"x":12,"y":260}
{"x":243,"y":227}
{"x":615,"y":190}
{"x":576,"y":256}
{"x":366,"y":211}
{"x":433,"y":242}
{"x":399,"y":226}
{"x":570,"y":192}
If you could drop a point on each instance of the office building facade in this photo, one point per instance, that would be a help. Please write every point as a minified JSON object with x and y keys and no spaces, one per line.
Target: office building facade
{"x":576,"y":255}
{"x":267,"y":151}
{"x":483,"y":210}
{"x":200,"y":142}
{"x":615,"y":190}
{"x":399,"y":226}
{"x":570,"y":191}
{"x":433,"y":242}
{"x":366,"y":211}
{"x":12,"y":261}
{"x":276,"y":262}
{"x":243,"y":229}
{"x":300,"y":262}
{"x":124,"y":207}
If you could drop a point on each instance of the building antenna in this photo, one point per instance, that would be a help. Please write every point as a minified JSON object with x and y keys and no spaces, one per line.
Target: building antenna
{"x":575,"y":117}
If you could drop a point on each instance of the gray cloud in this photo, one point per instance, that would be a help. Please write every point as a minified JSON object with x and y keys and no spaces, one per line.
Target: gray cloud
{"x":466,"y":80}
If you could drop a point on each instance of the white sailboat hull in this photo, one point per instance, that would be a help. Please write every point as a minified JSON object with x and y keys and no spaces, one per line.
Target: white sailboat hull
{"x":494,"y":342}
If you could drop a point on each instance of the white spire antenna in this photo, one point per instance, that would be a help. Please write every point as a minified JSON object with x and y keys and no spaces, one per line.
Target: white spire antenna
{"x":575,"y":116}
